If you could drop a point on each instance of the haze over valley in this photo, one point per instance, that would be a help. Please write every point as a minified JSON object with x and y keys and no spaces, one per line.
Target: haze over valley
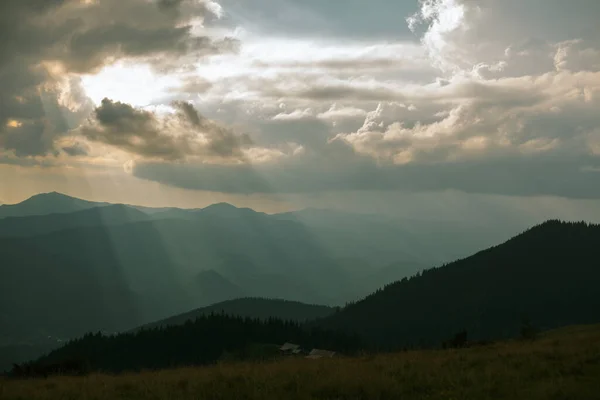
{"x":129,"y":265}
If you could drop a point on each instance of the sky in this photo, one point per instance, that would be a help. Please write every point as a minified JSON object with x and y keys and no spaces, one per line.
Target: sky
{"x":445,"y":109}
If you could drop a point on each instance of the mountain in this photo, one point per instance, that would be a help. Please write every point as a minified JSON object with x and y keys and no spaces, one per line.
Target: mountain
{"x":226,"y":210}
{"x":46,"y":203}
{"x":163,"y":262}
{"x":381,"y":277}
{"x":78,"y":266}
{"x":369,"y":240}
{"x":162,"y":255}
{"x":46,"y":292}
{"x":115,"y":277}
{"x":43,"y":224}
{"x":213,"y":287}
{"x":252,"y":308}
{"x":549,"y":274}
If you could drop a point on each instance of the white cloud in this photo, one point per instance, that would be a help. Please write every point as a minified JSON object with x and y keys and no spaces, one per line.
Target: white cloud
{"x":553,"y":112}
{"x":295,"y":115}
{"x":336,"y":112}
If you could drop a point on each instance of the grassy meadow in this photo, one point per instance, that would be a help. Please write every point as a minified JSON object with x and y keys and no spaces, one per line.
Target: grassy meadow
{"x":560,"y":365}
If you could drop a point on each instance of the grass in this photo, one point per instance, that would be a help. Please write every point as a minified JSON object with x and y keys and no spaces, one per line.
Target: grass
{"x":561,"y":365}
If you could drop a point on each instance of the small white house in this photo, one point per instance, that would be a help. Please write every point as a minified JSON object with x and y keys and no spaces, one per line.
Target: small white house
{"x":290,"y":348}
{"x":318,"y":353}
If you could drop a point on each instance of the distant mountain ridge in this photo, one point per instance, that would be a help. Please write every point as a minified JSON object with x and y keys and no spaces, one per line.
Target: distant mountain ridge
{"x":47,"y":203}
{"x":104,"y":215}
{"x":379,"y":239}
{"x":146,"y":270}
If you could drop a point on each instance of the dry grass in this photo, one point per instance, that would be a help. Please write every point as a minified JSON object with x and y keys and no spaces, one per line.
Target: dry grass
{"x":564,"y":364}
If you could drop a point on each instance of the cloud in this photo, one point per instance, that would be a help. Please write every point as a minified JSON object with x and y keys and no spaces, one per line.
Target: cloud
{"x":483,"y":96}
{"x":341,"y":58}
{"x":461,"y":34}
{"x":576,"y":56}
{"x":517,"y":136}
{"x":336,"y":112}
{"x":311,"y":174}
{"x":295,"y":115}
{"x":168,"y":136}
{"x":76,"y":149}
{"x":193,"y":85}
{"x":112,"y":29}
{"x":47,"y":43}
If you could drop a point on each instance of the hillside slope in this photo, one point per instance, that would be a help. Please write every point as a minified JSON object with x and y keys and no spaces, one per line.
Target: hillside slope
{"x":144,"y":271}
{"x":203,"y":341}
{"x":560,"y":365}
{"x":549,"y":274}
{"x":45,"y":293}
{"x":248,"y":252}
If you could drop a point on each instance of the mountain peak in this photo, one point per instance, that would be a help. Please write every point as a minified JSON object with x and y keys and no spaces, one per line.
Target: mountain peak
{"x":220,"y":206}
{"x":51,"y":195}
{"x":51,"y":199}
{"x":46,"y":203}
{"x":555,"y":225}
{"x":226,"y":209}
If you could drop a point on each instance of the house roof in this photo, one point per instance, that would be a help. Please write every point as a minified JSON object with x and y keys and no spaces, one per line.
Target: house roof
{"x":290,"y":347}
{"x":318,"y":353}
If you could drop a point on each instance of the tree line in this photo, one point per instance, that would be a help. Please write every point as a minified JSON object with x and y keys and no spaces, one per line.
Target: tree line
{"x":203,"y":341}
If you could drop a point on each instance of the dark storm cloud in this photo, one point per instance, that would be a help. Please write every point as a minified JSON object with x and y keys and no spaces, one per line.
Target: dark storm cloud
{"x":21,"y":129}
{"x":166,"y":137}
{"x":222,"y":141}
{"x":75,"y":37}
{"x":77,"y":149}
{"x":189,"y":112}
{"x":519,"y":176}
{"x":138,"y":132}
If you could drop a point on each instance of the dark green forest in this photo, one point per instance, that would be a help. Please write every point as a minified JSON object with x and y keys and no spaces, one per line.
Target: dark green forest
{"x":204,"y":341}
{"x":549,"y":276}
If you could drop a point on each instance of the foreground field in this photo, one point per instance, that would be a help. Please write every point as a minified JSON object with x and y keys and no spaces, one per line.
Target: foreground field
{"x":564,"y":364}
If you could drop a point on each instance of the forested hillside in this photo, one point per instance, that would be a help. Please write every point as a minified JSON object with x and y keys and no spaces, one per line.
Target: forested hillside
{"x":549,"y":276}
{"x":203,"y":341}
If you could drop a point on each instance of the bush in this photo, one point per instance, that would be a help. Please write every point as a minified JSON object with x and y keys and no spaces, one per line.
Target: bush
{"x":528,"y":330}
